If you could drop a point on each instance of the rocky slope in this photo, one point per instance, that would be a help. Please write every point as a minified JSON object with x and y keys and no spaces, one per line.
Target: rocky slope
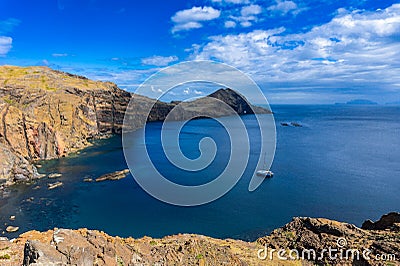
{"x":46,"y":114}
{"x":90,"y":247}
{"x":322,"y":234}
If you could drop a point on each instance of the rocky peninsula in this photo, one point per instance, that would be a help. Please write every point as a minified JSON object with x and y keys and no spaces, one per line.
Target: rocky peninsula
{"x":48,"y":114}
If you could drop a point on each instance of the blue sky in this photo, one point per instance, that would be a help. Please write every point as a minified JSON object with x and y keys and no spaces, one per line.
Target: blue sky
{"x":298,"y":51}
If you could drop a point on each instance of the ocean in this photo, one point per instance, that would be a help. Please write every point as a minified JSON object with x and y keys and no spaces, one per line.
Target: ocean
{"x":342,"y":164}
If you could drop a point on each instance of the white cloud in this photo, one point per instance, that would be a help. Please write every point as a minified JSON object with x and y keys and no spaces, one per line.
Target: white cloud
{"x":248,"y":15}
{"x":190,"y":18}
{"x":284,"y":7}
{"x":156,"y":90}
{"x":245,"y":21}
{"x":246,"y":24}
{"x":159,"y":60}
{"x":250,"y":10}
{"x":230,"y":24}
{"x":5,"y":45}
{"x":196,"y":14}
{"x":231,"y":1}
{"x":186,"y":26}
{"x":59,"y":55}
{"x":354,"y":51}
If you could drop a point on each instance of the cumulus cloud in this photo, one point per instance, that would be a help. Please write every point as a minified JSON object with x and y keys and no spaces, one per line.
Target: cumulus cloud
{"x":230,"y":24}
{"x":250,"y":10}
{"x":354,"y":51}
{"x":248,"y":15}
{"x":284,"y":7}
{"x":191,"y":18}
{"x":159,"y":60}
{"x":5,"y":45}
{"x":246,"y":23}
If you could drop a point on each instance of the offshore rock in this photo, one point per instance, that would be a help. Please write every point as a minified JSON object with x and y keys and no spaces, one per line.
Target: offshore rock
{"x":113,"y":176}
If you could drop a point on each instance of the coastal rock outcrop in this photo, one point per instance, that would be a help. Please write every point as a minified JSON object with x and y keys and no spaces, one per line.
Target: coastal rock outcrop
{"x":321,"y":235}
{"x":387,"y":221}
{"x":91,"y":247}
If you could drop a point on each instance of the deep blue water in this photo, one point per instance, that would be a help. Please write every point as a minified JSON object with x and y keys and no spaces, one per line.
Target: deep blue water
{"x":342,"y":164}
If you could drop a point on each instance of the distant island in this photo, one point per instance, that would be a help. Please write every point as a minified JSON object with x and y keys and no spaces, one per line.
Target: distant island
{"x":358,"y":102}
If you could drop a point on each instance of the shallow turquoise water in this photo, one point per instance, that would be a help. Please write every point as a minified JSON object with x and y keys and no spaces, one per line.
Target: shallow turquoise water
{"x":342,"y":164}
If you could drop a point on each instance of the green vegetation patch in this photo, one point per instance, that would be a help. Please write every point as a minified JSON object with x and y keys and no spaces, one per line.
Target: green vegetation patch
{"x":9,"y":101}
{"x":199,"y":256}
{"x":5,"y":257}
{"x":120,"y":262}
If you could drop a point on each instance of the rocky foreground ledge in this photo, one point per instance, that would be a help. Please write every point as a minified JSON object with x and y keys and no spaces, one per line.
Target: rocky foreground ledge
{"x":89,"y":247}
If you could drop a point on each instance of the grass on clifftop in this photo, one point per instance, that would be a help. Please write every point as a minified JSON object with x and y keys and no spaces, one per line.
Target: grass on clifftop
{"x":44,"y":78}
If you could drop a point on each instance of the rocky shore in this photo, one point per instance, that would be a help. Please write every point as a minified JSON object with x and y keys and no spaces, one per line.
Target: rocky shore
{"x":91,"y":247}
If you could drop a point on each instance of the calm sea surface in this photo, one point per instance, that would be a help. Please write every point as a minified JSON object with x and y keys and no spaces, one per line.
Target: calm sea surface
{"x":343,"y":164}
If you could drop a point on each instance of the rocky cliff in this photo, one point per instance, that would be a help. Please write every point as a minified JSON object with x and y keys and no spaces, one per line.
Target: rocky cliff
{"x":90,"y":247}
{"x":46,"y":114}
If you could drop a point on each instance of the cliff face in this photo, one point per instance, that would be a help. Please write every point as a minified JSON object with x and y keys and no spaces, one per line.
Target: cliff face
{"x":46,"y":114}
{"x":91,"y":247}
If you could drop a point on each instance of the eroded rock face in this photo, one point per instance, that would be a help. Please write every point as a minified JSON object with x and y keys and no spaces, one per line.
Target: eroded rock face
{"x":54,"y":120}
{"x":387,"y":221}
{"x":321,"y":234}
{"x":46,"y":114}
{"x":14,"y":167}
